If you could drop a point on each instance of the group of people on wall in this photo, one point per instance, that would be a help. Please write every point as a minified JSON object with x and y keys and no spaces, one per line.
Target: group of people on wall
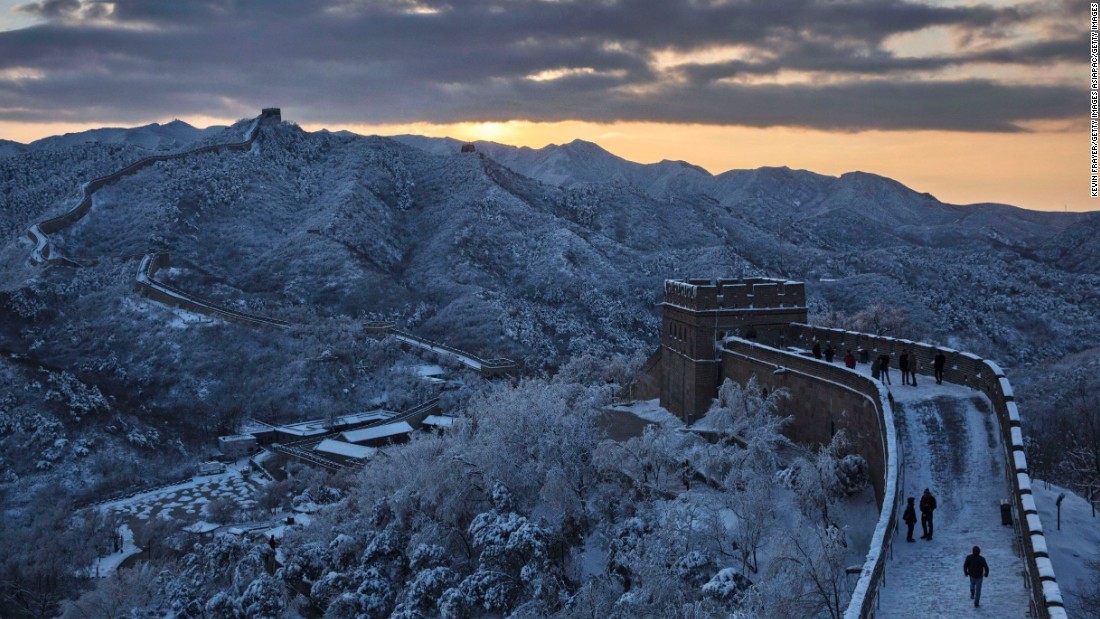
{"x":975,"y":566}
{"x":908,"y":363}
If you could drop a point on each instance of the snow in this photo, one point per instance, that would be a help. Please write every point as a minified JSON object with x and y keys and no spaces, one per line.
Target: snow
{"x":652,"y":411}
{"x":1019,"y":461}
{"x":428,"y":370}
{"x":341,"y":448}
{"x":1017,"y":437}
{"x":314,"y":427}
{"x":185,"y":500}
{"x":465,"y":359}
{"x":105,"y":566}
{"x":377,"y":432}
{"x":440,"y":421}
{"x":1028,"y":502}
{"x":201,"y":526}
{"x":1070,"y":548}
{"x":951,"y":444}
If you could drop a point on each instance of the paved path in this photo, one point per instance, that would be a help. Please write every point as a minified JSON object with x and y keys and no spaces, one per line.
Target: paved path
{"x":951,"y":445}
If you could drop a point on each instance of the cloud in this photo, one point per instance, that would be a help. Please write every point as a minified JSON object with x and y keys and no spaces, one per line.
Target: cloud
{"x":395,"y":61}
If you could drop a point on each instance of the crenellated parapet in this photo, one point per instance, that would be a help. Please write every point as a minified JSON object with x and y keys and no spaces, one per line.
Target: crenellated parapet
{"x":735,"y":294}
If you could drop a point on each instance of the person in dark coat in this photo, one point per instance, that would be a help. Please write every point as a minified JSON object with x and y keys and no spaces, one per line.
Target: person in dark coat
{"x":910,"y":519}
{"x":903,"y":365}
{"x":850,"y":361}
{"x":914,"y":365}
{"x":927,"y":506}
{"x":829,"y":353}
{"x":976,"y":568}
{"x":938,"y":363}
{"x":817,"y":350}
{"x":884,"y":367}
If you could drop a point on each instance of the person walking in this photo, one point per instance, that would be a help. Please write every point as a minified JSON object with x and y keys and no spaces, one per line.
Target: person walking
{"x":910,"y":519}
{"x":938,"y":363}
{"x":850,"y":361}
{"x":829,"y":353}
{"x":927,"y":506}
{"x":884,"y":367}
{"x":817,"y":350}
{"x":976,"y":568}
{"x":903,"y":365}
{"x":913,"y":367}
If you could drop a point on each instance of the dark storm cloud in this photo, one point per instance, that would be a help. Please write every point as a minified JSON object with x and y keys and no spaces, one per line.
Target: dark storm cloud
{"x":396,"y":61}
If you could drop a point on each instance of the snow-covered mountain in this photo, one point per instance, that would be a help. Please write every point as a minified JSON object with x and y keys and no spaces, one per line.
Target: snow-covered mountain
{"x":541,"y":252}
{"x":536,"y":254}
{"x":154,"y":137}
{"x":8,"y":148}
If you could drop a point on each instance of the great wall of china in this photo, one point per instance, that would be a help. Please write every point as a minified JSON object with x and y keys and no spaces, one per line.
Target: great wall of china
{"x":146,"y":283}
{"x":737,"y":329}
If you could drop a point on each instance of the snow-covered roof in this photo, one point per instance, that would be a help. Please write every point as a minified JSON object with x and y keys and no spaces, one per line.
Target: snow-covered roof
{"x":201,"y":526}
{"x":232,"y":438}
{"x":377,"y":432}
{"x":341,"y":448}
{"x":441,"y":421}
{"x":314,"y":427}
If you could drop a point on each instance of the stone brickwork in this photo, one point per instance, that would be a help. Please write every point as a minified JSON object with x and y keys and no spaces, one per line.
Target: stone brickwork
{"x":825,"y":399}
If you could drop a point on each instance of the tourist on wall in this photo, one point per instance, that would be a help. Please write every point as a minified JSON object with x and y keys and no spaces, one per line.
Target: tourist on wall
{"x":903,"y":365}
{"x":938,"y":363}
{"x":927,"y":506}
{"x":976,"y":568}
{"x":850,"y":360}
{"x":884,"y":367}
{"x":829,"y":353}
{"x":910,"y":519}
{"x":913,"y":367}
{"x":817,"y":350}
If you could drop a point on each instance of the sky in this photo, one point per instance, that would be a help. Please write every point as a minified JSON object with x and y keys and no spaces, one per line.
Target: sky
{"x":970,"y":101}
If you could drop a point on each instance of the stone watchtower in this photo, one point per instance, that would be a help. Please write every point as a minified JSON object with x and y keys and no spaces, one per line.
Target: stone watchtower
{"x":272,"y":115}
{"x":698,"y":313}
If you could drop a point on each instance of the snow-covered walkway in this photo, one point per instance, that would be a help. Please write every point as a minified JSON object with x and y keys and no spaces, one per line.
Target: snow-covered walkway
{"x":951,"y":445}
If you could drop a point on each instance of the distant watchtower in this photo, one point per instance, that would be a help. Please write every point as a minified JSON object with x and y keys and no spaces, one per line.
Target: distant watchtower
{"x":700,"y":312}
{"x":468,"y":148}
{"x":272,"y":115}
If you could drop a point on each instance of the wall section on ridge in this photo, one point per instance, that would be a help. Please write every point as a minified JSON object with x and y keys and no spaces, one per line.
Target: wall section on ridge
{"x":972,"y":371}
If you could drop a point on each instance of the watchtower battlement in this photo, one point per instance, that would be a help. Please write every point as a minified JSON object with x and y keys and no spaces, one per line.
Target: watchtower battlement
{"x":720,"y":294}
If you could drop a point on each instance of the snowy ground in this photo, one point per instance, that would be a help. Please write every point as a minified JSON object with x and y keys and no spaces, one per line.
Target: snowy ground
{"x":651,"y":411}
{"x":105,"y":566}
{"x":1071,"y":548}
{"x":950,"y":444}
{"x":186,"y":501}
